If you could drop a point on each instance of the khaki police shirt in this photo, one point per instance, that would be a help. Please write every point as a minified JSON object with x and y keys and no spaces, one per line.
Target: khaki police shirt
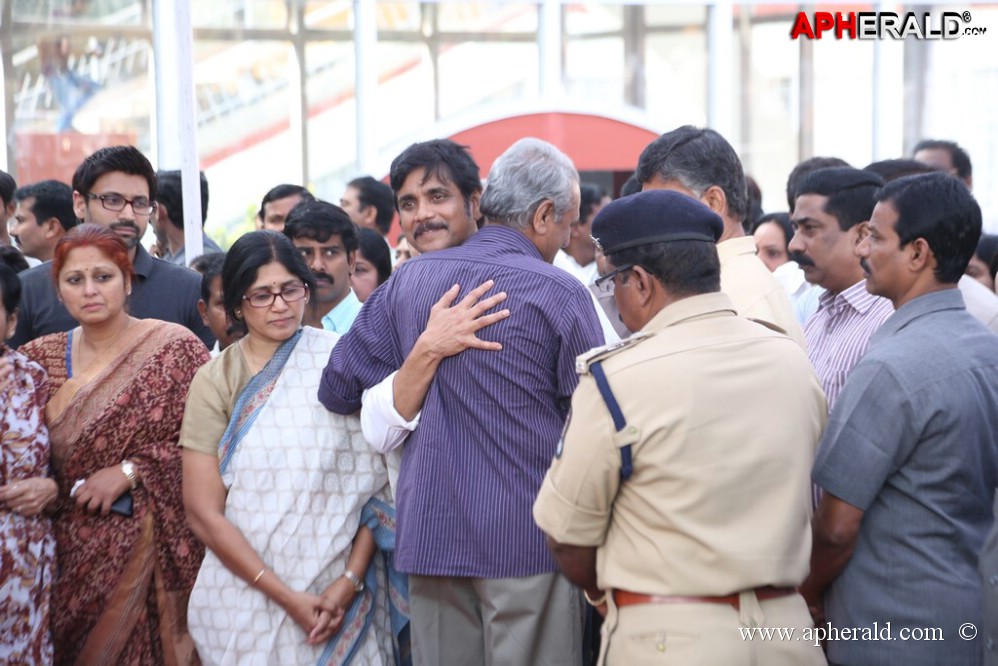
{"x":754,"y":291}
{"x":725,"y":416}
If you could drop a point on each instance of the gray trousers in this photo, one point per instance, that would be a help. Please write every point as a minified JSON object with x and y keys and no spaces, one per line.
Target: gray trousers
{"x":495,"y":622}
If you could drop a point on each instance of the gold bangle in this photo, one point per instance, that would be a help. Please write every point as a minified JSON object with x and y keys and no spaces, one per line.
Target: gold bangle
{"x":258,"y":577}
{"x":594,"y":602}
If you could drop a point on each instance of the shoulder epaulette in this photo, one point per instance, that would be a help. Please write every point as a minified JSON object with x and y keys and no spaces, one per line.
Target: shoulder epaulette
{"x":583,"y":361}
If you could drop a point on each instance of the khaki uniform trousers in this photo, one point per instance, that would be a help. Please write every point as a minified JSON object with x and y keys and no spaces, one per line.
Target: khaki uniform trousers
{"x":691,"y":634}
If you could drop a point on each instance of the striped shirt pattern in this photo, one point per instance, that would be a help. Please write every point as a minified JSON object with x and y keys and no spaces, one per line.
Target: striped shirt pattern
{"x":491,"y":421}
{"x":838,"y":335}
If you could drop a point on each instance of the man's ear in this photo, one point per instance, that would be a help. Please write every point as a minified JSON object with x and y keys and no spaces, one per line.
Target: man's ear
{"x":203,"y":311}
{"x":352,"y":257}
{"x":79,"y":205}
{"x":715,"y":199}
{"x":860,"y":231}
{"x":543,"y":217}
{"x":921,"y":256}
{"x":644,"y":283}
{"x":51,"y":227}
{"x":369,"y":215}
{"x":475,"y":200}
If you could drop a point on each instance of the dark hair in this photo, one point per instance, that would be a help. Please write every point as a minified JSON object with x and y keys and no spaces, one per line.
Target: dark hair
{"x":171,"y":195}
{"x":210,"y":267}
{"x":958,"y":156}
{"x":987,"y":248}
{"x":375,"y":249}
{"x":11,"y":256}
{"x":92,"y":235}
{"x":371,"y":192}
{"x":248,"y":254}
{"x":850,"y":193}
{"x":52,"y":199}
{"x":893,"y":169}
{"x":10,"y":286}
{"x":591,"y":196}
{"x":124,"y":159}
{"x":631,"y":186}
{"x":283,"y":191}
{"x":782,"y":220}
{"x":448,"y":161}
{"x":7,"y":187}
{"x":685,"y":268}
{"x":940,"y":209}
{"x":993,"y":266}
{"x":805,"y":167}
{"x":320,"y":220}
{"x":699,"y":158}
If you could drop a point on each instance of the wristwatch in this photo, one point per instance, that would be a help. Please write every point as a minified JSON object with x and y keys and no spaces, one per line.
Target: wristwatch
{"x":358,"y":584}
{"x":128,"y":469}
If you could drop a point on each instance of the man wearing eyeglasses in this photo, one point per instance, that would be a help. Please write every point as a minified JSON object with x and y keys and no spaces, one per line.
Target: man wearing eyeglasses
{"x":115,"y":187}
{"x":672,"y":501}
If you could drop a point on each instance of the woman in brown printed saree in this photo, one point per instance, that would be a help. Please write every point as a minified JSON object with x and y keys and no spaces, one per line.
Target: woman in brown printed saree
{"x":114,"y":414}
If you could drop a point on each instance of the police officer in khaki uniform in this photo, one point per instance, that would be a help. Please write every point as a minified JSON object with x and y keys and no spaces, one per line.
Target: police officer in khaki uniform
{"x":680,"y":494}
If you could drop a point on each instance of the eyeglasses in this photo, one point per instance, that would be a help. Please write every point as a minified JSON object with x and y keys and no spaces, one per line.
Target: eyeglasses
{"x":116,"y":203}
{"x":290,"y":294}
{"x":604,"y":283}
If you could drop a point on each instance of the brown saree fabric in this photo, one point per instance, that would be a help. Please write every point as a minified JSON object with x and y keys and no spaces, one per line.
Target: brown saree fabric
{"x":124,"y":582}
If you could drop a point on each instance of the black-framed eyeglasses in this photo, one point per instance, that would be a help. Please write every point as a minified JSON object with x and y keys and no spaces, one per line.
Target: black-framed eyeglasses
{"x":604,"y":283}
{"x":290,"y":294}
{"x":116,"y":203}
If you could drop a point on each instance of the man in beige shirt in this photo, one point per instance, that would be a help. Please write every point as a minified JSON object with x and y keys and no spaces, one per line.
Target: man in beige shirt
{"x":671,"y":499}
{"x":702,"y":164}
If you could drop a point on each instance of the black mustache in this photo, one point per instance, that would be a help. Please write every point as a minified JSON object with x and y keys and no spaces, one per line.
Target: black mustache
{"x":865,"y":266}
{"x":126,"y":224}
{"x":324,"y":276}
{"x":428,"y":226}
{"x":801,"y":259}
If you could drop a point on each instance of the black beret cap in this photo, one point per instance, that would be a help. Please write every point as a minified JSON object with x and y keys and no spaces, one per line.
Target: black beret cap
{"x":655,"y":216}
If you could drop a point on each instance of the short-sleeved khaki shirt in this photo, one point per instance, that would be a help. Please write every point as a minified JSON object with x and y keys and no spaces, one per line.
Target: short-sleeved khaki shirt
{"x":726,"y":416}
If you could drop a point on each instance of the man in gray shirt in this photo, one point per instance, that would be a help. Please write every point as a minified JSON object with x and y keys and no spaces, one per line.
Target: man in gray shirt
{"x":909,"y":460}
{"x":115,"y":187}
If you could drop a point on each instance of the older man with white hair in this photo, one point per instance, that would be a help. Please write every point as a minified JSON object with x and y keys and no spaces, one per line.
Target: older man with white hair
{"x":483,"y":587}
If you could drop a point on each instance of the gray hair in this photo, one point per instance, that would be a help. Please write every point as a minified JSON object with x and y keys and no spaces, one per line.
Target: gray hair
{"x":530,"y":172}
{"x":698,"y":159}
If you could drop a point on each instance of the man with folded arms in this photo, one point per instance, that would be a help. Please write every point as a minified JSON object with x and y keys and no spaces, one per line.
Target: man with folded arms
{"x":671,"y":498}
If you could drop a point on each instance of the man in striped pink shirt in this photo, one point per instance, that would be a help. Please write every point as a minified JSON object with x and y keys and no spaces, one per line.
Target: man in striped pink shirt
{"x":830,"y":217}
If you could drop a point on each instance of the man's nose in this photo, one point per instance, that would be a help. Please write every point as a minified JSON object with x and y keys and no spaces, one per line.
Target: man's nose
{"x":795,"y":244}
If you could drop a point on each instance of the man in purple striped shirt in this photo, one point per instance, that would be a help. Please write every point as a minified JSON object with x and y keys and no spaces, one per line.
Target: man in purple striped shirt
{"x":483,"y":586}
{"x":830,"y":217}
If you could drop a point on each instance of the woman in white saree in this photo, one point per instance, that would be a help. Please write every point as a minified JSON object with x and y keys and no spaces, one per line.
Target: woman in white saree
{"x":289,"y":499}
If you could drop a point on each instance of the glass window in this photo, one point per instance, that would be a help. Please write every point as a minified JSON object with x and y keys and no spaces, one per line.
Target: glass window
{"x":487,"y":17}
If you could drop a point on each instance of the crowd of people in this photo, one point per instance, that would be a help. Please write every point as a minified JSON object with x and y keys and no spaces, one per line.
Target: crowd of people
{"x":550,"y":427}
